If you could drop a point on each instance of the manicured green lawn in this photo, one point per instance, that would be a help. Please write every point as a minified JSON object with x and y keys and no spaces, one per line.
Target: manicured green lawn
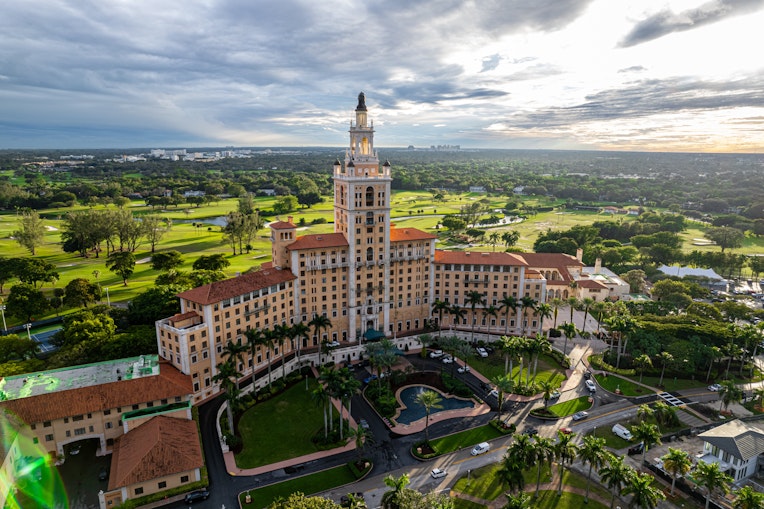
{"x":570,"y":407}
{"x":460,"y":503}
{"x":611,"y":439}
{"x":673,"y":384}
{"x":466,"y":438}
{"x":308,"y":484}
{"x":280,"y":428}
{"x":627,"y":388}
{"x":493,"y":365}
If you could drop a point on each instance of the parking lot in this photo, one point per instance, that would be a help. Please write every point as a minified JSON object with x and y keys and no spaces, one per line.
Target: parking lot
{"x":80,"y":475}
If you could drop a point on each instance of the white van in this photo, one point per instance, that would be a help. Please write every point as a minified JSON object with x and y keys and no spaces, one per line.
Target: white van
{"x":480,"y":448}
{"x":622,"y":432}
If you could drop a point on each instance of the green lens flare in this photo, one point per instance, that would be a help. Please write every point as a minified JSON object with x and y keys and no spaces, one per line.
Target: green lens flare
{"x":28,"y":477}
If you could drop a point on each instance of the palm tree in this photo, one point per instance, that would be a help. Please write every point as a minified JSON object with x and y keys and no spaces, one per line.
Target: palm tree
{"x":729,"y":393}
{"x":234,"y":353}
{"x":457,"y":314}
{"x":490,"y":311}
{"x":544,"y":311}
{"x":648,"y":434}
{"x":586,"y":303}
{"x":503,"y":385}
{"x":300,"y":332}
{"x":429,"y":400}
{"x":348,"y":388}
{"x":440,"y":307}
{"x":493,"y":239}
{"x":319,"y":323}
{"x":226,"y":374}
{"x":645,"y":411}
{"x":281,"y":333}
{"x":512,"y":465}
{"x":254,"y":340}
{"x":392,"y":499}
{"x":748,"y":498}
{"x":599,"y":309}
{"x":320,"y":397}
{"x":593,"y":453}
{"x":556,"y":304}
{"x":519,"y":501}
{"x":565,"y":452}
{"x":569,"y":331}
{"x":526,"y":302}
{"x":541,"y":345}
{"x":645,"y":496}
{"x":643,"y":362}
{"x":509,"y":346}
{"x":621,"y":325}
{"x":474,"y":299}
{"x":573,"y":302}
{"x":267,"y":340}
{"x":547,"y":388}
{"x":713,"y":353}
{"x":615,"y":475}
{"x":543,"y":454}
{"x":677,"y":463}
{"x":508,"y":304}
{"x":710,"y":476}
{"x":759,"y":393}
{"x":664,"y":358}
{"x":360,"y":438}
{"x":522,"y":351}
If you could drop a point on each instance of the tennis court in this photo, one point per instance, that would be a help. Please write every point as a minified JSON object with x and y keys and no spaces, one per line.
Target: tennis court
{"x":43,"y":338}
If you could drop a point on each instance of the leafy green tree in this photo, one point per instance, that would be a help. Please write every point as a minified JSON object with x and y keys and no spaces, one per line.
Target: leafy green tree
{"x":429,"y":400}
{"x":34,"y":270}
{"x":748,"y":498}
{"x":392,"y":498}
{"x":154,"y":304}
{"x":15,"y":347}
{"x":216,"y":262}
{"x":677,"y":463}
{"x":86,"y":327}
{"x":80,"y":292}
{"x":31,"y":232}
{"x":725,"y":237}
{"x":729,"y":393}
{"x":300,"y":501}
{"x":166,"y":260}
{"x":121,"y":263}
{"x":644,"y":495}
{"x":711,"y":477}
{"x":25,"y":301}
{"x":154,"y":228}
{"x":285,"y":204}
{"x":643,"y":362}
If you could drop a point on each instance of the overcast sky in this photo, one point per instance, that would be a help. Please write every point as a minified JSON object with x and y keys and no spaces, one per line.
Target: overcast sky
{"x":673,"y":75}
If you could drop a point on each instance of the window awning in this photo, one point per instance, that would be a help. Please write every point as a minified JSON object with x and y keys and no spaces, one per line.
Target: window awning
{"x":373,"y":335}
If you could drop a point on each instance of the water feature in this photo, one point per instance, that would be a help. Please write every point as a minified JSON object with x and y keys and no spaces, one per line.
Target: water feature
{"x":413,"y":411}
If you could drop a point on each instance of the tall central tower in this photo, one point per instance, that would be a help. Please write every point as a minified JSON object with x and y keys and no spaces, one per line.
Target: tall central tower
{"x":362,"y":214}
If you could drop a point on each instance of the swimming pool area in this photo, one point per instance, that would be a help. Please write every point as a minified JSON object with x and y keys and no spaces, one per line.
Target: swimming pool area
{"x":411,"y":411}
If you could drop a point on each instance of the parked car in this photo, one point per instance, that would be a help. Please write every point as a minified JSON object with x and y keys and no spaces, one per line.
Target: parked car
{"x":565,"y":430}
{"x":480,"y":448}
{"x":587,"y":374}
{"x":196,"y":496}
{"x":103,"y":474}
{"x":369,"y":379}
{"x":494,"y":393}
{"x":437,"y":473}
{"x":448,"y":359}
{"x":580,"y":415}
{"x":364,"y":423}
{"x":714,"y":387}
{"x":622,"y":432}
{"x":333,"y":344}
{"x":481,"y":351}
{"x":463,"y":369}
{"x":554,"y":394}
{"x":435,"y":354}
{"x":75,"y":450}
{"x":345,"y":499}
{"x":591,"y":385}
{"x":636,"y":449}
{"x":530,"y":432}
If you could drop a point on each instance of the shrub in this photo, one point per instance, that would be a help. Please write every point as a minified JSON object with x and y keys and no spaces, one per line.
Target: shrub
{"x":597,"y":362}
{"x":455,"y":386}
{"x":502,"y":427}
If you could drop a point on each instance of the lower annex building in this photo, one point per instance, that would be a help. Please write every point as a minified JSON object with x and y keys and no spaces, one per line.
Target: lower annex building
{"x":368,"y":278}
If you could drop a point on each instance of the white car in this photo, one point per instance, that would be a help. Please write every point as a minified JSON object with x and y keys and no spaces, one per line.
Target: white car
{"x":580,"y":415}
{"x":714,"y":387}
{"x":554,"y":394}
{"x":436,"y":353}
{"x":591,"y":386}
{"x":333,"y":344}
{"x":463,"y":369}
{"x":448,"y":359}
{"x":481,"y":351}
{"x":437,"y":473}
{"x":480,"y":448}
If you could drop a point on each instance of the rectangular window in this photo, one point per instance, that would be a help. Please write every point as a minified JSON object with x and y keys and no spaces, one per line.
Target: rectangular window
{"x":79,"y":431}
{"x":162,"y":485}
{"x":184,"y":478}
{"x":139,"y":491}
{"x":48,"y":438}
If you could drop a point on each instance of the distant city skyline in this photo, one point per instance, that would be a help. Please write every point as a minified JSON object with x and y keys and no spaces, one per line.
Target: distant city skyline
{"x":634,"y":75}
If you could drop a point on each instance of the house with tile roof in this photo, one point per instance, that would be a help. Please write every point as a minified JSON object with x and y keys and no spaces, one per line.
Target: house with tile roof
{"x":107,"y":402}
{"x":737,"y":446}
{"x":368,"y":277}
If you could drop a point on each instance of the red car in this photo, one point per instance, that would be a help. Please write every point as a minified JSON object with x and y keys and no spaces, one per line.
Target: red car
{"x":566,"y":431}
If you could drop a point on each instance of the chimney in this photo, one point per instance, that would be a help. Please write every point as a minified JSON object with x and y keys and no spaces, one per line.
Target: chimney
{"x":580,"y":255}
{"x":597,"y":265}
{"x":289,"y":220}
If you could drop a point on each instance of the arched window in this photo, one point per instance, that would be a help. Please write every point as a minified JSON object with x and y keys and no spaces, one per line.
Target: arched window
{"x":370,"y":218}
{"x":369,"y":196}
{"x":370,"y":255}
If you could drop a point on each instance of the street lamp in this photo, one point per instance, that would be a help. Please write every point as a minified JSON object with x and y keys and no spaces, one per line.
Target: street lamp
{"x":28,"y":326}
{"x":108,"y":301}
{"x":2,"y":310}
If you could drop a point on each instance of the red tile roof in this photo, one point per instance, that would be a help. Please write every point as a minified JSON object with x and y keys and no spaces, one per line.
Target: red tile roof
{"x":549,"y":260}
{"x":319,"y":240}
{"x":404,"y":234}
{"x":183,"y":316}
{"x":239,"y":285}
{"x":168,"y":384}
{"x":159,"y":447}
{"x":478,"y":258}
{"x":282,"y":225}
{"x":590,"y":283}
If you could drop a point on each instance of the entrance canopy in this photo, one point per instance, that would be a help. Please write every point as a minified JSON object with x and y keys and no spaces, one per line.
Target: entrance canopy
{"x":373,"y":335}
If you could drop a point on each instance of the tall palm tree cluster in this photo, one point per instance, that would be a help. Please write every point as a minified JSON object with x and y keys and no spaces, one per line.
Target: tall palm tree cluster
{"x":338,"y":385}
{"x":269,"y":343}
{"x":525,"y":350}
{"x":613,"y":472}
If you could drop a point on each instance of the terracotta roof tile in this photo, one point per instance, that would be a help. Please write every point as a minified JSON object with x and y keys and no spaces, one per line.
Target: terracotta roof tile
{"x":590,"y":283}
{"x":282,"y":225}
{"x":159,"y":447}
{"x":183,"y":316}
{"x":168,"y":384}
{"x":478,"y":258}
{"x":404,"y":234}
{"x":319,"y":240}
{"x":239,"y":285}
{"x":546,"y":260}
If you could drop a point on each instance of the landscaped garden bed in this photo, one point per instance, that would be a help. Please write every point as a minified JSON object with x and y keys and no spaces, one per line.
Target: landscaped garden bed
{"x":563,"y":409}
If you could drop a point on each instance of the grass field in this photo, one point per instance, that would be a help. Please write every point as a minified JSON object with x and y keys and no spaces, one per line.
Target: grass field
{"x":570,"y":407}
{"x":280,"y":428}
{"x":627,"y":388}
{"x":308,"y":484}
{"x":466,"y":438}
{"x":493,"y":365}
